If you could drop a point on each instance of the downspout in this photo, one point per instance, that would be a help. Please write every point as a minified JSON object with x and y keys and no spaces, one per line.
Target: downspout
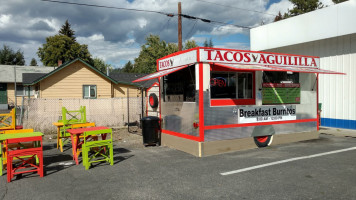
{"x":142,"y":103}
{"x":128,"y":111}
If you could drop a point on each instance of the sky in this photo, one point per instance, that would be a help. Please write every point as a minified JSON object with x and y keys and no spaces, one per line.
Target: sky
{"x":116,"y":35}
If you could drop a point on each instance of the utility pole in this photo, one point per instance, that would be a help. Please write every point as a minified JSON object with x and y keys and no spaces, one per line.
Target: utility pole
{"x":179,"y":27}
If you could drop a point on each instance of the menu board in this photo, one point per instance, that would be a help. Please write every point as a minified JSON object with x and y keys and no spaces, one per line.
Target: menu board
{"x":280,"y":93}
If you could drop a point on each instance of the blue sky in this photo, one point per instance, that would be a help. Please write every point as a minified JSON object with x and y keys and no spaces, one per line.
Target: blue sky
{"x":117,"y":35}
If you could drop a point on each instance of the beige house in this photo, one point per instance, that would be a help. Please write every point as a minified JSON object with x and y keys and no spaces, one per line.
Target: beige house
{"x":78,"y":79}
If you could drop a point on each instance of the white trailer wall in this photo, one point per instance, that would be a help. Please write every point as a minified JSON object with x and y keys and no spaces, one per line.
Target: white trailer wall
{"x":329,"y":33}
{"x":337,"y":93}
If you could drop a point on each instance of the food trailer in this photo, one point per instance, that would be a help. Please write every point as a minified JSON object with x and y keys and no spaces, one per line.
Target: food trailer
{"x":215,"y":100}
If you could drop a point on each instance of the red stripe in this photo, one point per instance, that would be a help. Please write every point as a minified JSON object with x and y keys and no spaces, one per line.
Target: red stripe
{"x":201,"y":102}
{"x":317,"y":100}
{"x":181,"y":135}
{"x":231,"y":102}
{"x":258,"y":124}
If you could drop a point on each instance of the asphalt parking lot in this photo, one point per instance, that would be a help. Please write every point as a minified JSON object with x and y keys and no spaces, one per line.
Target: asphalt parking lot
{"x":313,"y":169}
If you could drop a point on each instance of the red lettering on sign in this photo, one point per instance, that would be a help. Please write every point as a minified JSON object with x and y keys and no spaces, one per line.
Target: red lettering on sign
{"x":263,"y":59}
{"x":226,"y":56}
{"x":218,"y":56}
{"x":313,"y":63}
{"x":209,"y":53}
{"x":247,"y":57}
{"x":269,"y":59}
{"x":235,"y":57}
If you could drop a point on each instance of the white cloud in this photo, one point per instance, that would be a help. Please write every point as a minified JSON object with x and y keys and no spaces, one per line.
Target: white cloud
{"x":116,"y":35}
{"x":226,"y":30}
{"x":4,"y":20}
{"x":234,"y":45}
{"x":110,"y":52}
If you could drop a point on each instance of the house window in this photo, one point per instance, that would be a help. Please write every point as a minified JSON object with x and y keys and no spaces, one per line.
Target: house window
{"x":24,"y":91}
{"x":232,"y":88}
{"x":89,"y":91}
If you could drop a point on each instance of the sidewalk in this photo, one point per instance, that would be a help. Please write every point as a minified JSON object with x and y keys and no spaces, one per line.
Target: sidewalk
{"x":338,"y":132}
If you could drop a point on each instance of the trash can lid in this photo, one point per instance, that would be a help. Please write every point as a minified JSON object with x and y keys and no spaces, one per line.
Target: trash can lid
{"x":150,"y":118}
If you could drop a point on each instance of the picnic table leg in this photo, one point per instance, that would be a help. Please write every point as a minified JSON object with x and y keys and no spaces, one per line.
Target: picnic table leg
{"x":1,"y":162}
{"x":58,"y":134}
{"x":75,"y":140}
{"x":73,"y":144}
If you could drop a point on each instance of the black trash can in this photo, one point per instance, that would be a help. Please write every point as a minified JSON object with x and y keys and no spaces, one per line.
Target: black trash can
{"x":150,"y":130}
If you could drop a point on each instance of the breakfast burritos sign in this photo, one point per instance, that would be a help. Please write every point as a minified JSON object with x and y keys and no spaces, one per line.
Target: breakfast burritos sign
{"x":238,"y":57}
{"x":266,"y":114}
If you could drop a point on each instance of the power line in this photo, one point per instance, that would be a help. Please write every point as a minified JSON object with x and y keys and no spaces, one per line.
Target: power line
{"x":229,"y":6}
{"x":100,"y":6}
{"x":191,"y":30}
{"x":149,"y":11}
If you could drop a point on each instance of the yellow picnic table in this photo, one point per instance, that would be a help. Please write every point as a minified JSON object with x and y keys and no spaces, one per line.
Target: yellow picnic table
{"x":59,"y":125}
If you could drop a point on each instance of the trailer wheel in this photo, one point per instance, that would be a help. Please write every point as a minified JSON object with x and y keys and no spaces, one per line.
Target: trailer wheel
{"x":153,"y":100}
{"x":263,"y":141}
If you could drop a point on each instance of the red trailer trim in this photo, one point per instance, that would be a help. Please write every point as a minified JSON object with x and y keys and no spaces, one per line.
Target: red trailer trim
{"x":181,"y":135}
{"x":211,"y":127}
{"x":201,"y":102}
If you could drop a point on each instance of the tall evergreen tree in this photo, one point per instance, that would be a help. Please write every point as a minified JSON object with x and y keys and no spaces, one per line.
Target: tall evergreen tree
{"x":211,"y":43}
{"x":128,"y":67}
{"x":206,"y":43}
{"x":61,"y":47}
{"x":33,"y":62}
{"x":66,"y":30}
{"x":278,"y":17}
{"x":9,"y":57}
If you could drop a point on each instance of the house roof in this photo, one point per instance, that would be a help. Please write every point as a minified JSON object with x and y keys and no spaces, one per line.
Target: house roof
{"x":32,"y":79}
{"x":28,"y":78}
{"x":129,"y":77}
{"x":7,"y":74}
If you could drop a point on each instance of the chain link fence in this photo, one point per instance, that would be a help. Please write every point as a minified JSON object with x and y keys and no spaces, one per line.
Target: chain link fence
{"x":39,"y":114}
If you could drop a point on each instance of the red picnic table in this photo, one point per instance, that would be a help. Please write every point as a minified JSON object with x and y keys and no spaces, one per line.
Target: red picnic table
{"x":76,"y":143}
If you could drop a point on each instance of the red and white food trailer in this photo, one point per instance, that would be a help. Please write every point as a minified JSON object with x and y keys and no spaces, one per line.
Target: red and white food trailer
{"x":214,"y":100}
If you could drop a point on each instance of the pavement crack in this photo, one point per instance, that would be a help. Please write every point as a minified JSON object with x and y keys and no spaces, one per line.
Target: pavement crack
{"x":6,"y":188}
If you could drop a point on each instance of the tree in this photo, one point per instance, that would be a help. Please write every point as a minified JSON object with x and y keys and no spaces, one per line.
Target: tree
{"x":62,"y":47}
{"x":208,"y":43}
{"x":300,"y":7}
{"x":33,"y":62}
{"x":9,"y":57}
{"x":278,"y":17}
{"x":152,"y":50}
{"x":101,"y":65}
{"x":189,"y":44}
{"x":128,"y":67}
{"x":211,"y":43}
{"x":66,"y":30}
{"x":303,"y":6}
{"x":339,"y":1}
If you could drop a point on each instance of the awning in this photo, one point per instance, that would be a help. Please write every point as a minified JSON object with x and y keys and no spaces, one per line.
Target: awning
{"x":273,"y":68}
{"x":247,"y":67}
{"x":160,"y":74}
{"x":308,"y":70}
